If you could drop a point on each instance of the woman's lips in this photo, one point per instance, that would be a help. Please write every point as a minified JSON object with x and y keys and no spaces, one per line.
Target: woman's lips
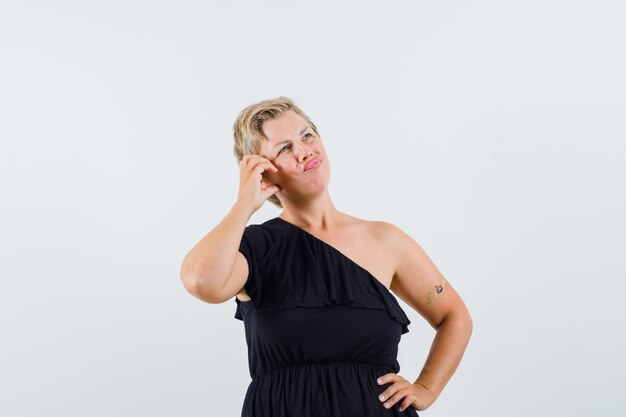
{"x":313,"y":164}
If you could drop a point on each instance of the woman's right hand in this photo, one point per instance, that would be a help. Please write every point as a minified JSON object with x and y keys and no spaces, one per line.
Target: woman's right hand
{"x":253,"y":188}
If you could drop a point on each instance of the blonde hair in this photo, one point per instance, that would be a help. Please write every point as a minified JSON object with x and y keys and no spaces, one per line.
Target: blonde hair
{"x":248,"y":133}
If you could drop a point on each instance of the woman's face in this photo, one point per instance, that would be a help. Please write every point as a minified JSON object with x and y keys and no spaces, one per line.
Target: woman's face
{"x":291,"y":146}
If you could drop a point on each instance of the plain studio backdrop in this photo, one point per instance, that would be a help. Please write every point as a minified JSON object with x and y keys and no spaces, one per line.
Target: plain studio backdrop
{"x":491,"y":132}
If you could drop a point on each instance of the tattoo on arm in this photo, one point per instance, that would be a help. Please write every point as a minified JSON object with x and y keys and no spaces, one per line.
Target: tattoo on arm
{"x":438,"y":289}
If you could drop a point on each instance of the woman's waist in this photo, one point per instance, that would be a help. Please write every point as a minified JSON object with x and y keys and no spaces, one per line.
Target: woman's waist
{"x":321,"y":389}
{"x":338,"y":369}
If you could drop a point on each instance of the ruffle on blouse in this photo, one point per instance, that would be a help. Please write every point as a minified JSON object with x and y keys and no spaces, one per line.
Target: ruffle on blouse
{"x":304,"y":271}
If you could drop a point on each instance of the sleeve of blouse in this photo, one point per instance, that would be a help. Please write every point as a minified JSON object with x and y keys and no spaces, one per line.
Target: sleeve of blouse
{"x":254,"y":246}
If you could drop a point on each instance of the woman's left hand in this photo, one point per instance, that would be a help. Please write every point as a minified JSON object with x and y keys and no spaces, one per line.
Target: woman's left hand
{"x":415,"y":395}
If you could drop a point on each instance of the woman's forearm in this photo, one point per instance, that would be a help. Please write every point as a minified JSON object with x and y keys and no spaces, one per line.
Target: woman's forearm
{"x":446,"y":352}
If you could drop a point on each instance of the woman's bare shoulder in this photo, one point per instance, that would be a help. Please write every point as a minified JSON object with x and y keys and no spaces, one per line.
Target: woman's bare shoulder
{"x":379,"y":229}
{"x":381,"y":232}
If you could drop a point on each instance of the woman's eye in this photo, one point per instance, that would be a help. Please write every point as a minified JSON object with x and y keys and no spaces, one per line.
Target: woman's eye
{"x":287,"y":146}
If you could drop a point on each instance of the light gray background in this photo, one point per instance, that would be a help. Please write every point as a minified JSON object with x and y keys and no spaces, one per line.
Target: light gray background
{"x":492,"y":132}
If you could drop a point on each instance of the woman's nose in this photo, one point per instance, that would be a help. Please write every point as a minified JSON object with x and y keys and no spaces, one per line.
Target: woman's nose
{"x":301,"y":151}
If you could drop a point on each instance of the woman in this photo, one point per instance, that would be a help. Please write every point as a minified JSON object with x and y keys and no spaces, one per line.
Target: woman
{"x":314,"y":285}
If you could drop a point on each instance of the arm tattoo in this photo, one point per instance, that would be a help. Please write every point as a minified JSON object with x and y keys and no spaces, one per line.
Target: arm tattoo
{"x":438,"y":289}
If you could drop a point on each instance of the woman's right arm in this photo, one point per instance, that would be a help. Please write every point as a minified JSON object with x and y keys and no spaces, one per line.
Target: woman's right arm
{"x":214,"y":270}
{"x":215,"y":260}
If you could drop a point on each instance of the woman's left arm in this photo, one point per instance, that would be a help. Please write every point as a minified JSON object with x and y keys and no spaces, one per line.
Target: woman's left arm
{"x":419,"y":283}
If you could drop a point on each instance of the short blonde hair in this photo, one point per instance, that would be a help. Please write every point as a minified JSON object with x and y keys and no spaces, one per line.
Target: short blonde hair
{"x":248,"y":133}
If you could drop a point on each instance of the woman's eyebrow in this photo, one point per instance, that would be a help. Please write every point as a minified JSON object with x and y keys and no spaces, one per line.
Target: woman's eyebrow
{"x":280,"y":143}
{"x":287,"y":140}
